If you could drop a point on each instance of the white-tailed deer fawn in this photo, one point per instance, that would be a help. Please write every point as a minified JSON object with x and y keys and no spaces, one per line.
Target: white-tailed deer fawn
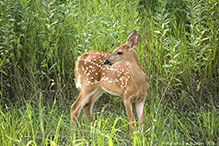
{"x":119,"y":74}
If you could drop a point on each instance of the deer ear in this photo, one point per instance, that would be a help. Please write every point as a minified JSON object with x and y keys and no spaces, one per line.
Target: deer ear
{"x":132,"y":39}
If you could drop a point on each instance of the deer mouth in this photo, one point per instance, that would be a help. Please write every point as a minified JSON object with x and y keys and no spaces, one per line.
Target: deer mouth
{"x":107,"y":63}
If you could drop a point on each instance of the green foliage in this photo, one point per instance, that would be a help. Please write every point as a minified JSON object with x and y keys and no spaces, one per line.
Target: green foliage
{"x":178,"y":47}
{"x":181,"y":44}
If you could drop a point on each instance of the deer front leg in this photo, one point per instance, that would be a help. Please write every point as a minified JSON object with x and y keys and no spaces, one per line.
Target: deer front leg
{"x":140,"y":112}
{"x":128,"y":108}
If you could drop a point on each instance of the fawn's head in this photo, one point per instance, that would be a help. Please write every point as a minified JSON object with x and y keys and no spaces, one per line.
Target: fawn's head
{"x":122,"y":54}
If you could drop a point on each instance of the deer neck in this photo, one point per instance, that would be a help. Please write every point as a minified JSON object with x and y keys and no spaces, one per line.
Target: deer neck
{"x":136,"y":71}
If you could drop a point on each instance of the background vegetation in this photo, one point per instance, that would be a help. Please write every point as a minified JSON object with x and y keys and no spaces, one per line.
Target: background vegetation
{"x":178,"y":47}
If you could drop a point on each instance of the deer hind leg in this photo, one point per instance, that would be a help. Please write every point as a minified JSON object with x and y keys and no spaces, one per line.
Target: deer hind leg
{"x":140,"y":112}
{"x":88,"y":106}
{"x":83,"y":97}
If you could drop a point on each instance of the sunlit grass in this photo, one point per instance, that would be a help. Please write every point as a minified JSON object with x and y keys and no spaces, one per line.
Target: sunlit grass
{"x":32,"y":124}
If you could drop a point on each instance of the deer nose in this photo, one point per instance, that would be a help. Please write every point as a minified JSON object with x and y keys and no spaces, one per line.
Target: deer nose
{"x":106,"y":62}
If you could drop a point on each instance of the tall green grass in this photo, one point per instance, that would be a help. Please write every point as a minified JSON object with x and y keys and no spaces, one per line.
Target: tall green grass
{"x":178,"y":47}
{"x":34,"y":124}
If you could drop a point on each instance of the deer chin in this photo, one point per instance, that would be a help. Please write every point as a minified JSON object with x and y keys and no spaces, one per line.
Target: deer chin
{"x":108,"y":65}
{"x":127,"y":63}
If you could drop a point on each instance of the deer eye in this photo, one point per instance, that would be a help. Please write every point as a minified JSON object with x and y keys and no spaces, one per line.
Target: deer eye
{"x":119,"y":53}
